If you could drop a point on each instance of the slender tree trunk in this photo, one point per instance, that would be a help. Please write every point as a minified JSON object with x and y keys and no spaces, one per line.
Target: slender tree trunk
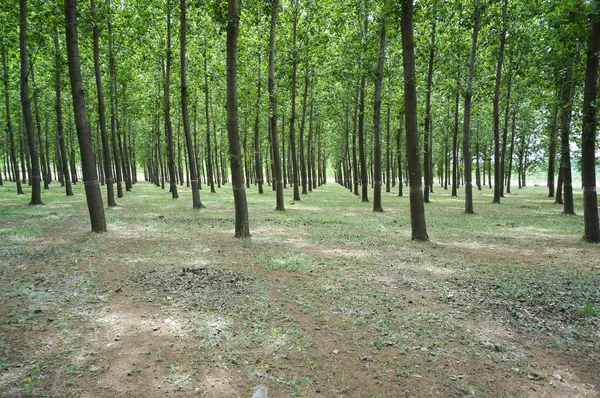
{"x":193,"y":168}
{"x":258,"y":160}
{"x":110,"y":191}
{"x":565,"y":127}
{"x":354,"y":160}
{"x":467,"y":159}
{"x":209,"y":170}
{"x":496,"y":104}
{"x":426,"y":147}
{"x":361,"y":117}
{"x":295,"y":173}
{"x":477,"y":167}
{"x":417,"y":208}
{"x":588,"y":137}
{"x":505,"y":131}
{"x":38,"y":125}
{"x":312,"y":183}
{"x":168,"y":124}
{"x":511,"y":153}
{"x":36,"y":193}
{"x":242,"y":227}
{"x":455,"y":181}
{"x":388,"y":187}
{"x":283,"y":159}
{"x":399,"y":156}
{"x":11,"y":135}
{"x":377,"y":122}
{"x":113,"y":110}
{"x":552,"y":151}
{"x":303,"y":174}
{"x":88,"y":161}
{"x":64,"y":163}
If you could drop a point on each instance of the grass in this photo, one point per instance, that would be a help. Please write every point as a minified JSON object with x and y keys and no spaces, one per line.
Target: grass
{"x":326,"y":299}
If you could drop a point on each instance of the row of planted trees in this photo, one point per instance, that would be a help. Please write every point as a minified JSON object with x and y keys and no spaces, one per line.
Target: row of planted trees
{"x":478,"y":89}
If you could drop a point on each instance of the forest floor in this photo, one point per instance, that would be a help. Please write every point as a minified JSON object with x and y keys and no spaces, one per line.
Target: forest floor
{"x":326,"y":300}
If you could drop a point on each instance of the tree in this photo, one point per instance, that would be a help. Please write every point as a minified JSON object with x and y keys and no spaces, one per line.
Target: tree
{"x":417,"y":207}
{"x":36,"y":193}
{"x":273,"y":111}
{"x":193,"y":169}
{"x":11,"y":134}
{"x":242,"y":226}
{"x":168,"y":124}
{"x":88,"y":161}
{"x":426,"y":137}
{"x":498,"y":179}
{"x":588,"y":137}
{"x":467,"y":116}
{"x":59,"y":118}
{"x":377,"y":120}
{"x":295,"y":174}
{"x":110,"y":191}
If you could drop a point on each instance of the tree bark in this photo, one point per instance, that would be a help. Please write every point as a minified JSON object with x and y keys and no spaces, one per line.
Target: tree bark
{"x":426,"y":147}
{"x":588,"y":137}
{"x":36,"y":193}
{"x":193,"y":168}
{"x":11,"y":135}
{"x":242,"y":226}
{"x":88,"y":161}
{"x":303,"y":174}
{"x":552,"y":151}
{"x":168,"y":124}
{"x":565,"y":127}
{"x":467,"y":160}
{"x":417,"y":207}
{"x":257,"y":159}
{"x":361,"y":117}
{"x":377,"y":122}
{"x":110,"y":191}
{"x":498,"y":179}
{"x":295,"y":174}
{"x":38,"y":125}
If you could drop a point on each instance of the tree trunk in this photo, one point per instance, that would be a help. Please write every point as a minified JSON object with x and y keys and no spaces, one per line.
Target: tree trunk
{"x":294,"y":167}
{"x":588,"y":137}
{"x":38,"y":125}
{"x":399,"y":156}
{"x":242,"y":227}
{"x":361,"y":117}
{"x":209,"y":169}
{"x":455,"y":139}
{"x":505,"y":131}
{"x":388,"y":187}
{"x":303,"y":174}
{"x":88,"y":161}
{"x":168,"y":124}
{"x":36,"y":193}
{"x":257,"y":159}
{"x":110,"y":191}
{"x":11,"y":135}
{"x":467,"y":159}
{"x":426,"y":147}
{"x":283,"y":158}
{"x":377,"y":122}
{"x":113,"y":110}
{"x":552,"y":151}
{"x":565,"y":127}
{"x":477,"y":167}
{"x":417,"y":207}
{"x":511,"y":153}
{"x":496,"y":104}
{"x":193,"y":168}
